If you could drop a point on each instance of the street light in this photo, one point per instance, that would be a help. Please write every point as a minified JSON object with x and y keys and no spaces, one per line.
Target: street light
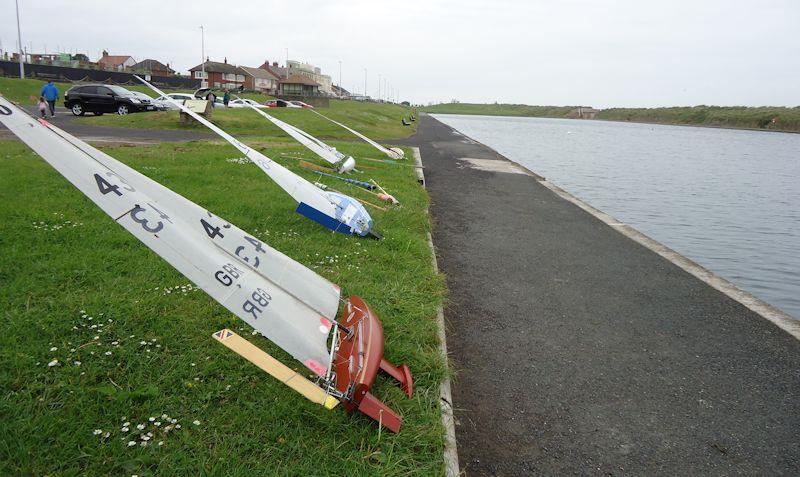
{"x":19,"y":39}
{"x":203,"y":59}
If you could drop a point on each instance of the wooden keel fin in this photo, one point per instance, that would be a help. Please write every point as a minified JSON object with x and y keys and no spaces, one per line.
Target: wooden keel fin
{"x":275,"y":368}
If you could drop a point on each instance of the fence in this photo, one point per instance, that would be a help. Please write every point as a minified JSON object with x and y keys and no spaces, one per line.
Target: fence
{"x":62,"y":73}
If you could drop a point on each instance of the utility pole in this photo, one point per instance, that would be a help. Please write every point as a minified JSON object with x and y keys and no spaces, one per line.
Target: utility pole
{"x":19,"y":39}
{"x":340,"y":77}
{"x":365,"y":83}
{"x":203,"y":59}
{"x":379,"y":87}
{"x":287,"y":62}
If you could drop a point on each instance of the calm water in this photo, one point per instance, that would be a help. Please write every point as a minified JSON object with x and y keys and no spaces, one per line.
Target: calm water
{"x":730,"y":200}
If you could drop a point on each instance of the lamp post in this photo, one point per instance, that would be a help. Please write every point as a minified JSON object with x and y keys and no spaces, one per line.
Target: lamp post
{"x":203,"y":59}
{"x":340,"y":77}
{"x":379,"y":87}
{"x":365,"y":83}
{"x":19,"y":39}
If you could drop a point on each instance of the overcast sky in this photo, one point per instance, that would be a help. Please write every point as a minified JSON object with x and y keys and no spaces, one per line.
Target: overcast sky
{"x":565,"y":52}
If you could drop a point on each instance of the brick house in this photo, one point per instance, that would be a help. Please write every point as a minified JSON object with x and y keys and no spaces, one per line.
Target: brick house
{"x":260,"y":79}
{"x":115,"y":62}
{"x":219,"y":75}
{"x":153,"y":67}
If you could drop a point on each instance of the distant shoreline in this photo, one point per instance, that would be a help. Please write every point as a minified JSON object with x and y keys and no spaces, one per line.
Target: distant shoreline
{"x":781,"y":119}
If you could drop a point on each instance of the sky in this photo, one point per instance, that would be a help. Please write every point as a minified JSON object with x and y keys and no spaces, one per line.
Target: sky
{"x":634,"y":53}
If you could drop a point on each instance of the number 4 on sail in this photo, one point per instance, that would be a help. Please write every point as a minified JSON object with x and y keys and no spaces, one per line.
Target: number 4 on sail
{"x":286,"y":302}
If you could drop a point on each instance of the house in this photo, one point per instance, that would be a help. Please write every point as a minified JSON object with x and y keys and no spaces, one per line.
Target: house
{"x":312,"y":72}
{"x":298,"y":85}
{"x":153,"y":67}
{"x":115,"y":62}
{"x":260,"y":79}
{"x":276,"y":70}
{"x":219,"y":75}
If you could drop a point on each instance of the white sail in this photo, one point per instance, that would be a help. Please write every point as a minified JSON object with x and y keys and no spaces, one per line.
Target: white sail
{"x":394,"y":153}
{"x":287,"y":303}
{"x":335,"y":211}
{"x":324,"y":151}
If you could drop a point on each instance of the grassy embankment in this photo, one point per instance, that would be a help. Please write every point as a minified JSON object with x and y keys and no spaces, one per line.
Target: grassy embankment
{"x":133,"y":339}
{"x":376,"y":120}
{"x":500,"y":110}
{"x":20,"y":91}
{"x":768,"y":118}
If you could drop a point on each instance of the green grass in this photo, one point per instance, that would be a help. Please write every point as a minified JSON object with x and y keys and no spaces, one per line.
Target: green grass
{"x":770,"y":118}
{"x":21,"y":91}
{"x":501,"y":110}
{"x":765,"y":117}
{"x":378,"y":121}
{"x":53,"y":273}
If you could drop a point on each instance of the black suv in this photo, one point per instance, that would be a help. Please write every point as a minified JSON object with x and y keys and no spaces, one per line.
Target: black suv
{"x":102,"y":98}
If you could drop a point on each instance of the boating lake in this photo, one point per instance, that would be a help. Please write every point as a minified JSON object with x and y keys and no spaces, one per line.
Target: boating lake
{"x":727,"y":199}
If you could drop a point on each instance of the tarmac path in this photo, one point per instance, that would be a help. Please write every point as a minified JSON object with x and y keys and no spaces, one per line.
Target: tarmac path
{"x":579,"y":351}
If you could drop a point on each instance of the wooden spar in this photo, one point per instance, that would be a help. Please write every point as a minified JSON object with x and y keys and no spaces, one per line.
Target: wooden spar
{"x":275,"y":368}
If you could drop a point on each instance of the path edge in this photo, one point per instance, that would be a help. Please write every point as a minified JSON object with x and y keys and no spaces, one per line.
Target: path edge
{"x":451,"y":468}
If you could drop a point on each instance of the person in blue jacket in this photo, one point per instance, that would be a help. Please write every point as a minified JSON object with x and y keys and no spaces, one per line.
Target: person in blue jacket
{"x":50,"y":93}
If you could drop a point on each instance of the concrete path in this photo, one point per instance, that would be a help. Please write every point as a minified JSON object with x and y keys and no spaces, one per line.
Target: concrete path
{"x":578,"y":351}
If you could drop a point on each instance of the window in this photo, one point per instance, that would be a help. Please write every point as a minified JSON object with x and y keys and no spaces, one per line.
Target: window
{"x":103,"y":90}
{"x":240,"y":78}
{"x":88,"y":90}
{"x":201,"y":74}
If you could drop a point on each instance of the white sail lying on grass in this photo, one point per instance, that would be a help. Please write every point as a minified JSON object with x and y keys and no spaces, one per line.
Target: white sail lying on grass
{"x":286,"y":302}
{"x":392,"y":152}
{"x":328,"y":153}
{"x":335,"y":211}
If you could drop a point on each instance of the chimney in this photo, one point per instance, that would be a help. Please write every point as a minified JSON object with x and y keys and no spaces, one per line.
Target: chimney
{"x":274,"y":63}
{"x":105,"y":53}
{"x":226,"y":60}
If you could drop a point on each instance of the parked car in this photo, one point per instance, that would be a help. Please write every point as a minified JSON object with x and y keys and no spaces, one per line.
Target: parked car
{"x":301,"y":104}
{"x":279,"y":103}
{"x":102,"y":98}
{"x":243,"y":102}
{"x":179,"y":97}
{"x":159,"y":104}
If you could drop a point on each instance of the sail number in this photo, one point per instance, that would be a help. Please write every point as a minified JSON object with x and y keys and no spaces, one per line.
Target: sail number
{"x":257,"y":302}
{"x":150,"y":225}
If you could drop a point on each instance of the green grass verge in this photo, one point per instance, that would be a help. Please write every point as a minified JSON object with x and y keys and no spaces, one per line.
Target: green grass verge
{"x":76,"y":287}
{"x":20,"y":91}
{"x":500,"y":110}
{"x":769,"y":118}
{"x":765,"y":117}
{"x":375,"y":120}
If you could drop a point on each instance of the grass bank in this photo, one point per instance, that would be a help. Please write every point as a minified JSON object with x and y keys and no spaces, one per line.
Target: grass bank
{"x":375,"y":120}
{"x":132,"y":337}
{"x":500,"y":110}
{"x":21,"y":90}
{"x":768,"y":118}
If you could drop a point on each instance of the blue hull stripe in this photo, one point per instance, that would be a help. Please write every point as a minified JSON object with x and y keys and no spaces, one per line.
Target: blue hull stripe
{"x":329,"y":222}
